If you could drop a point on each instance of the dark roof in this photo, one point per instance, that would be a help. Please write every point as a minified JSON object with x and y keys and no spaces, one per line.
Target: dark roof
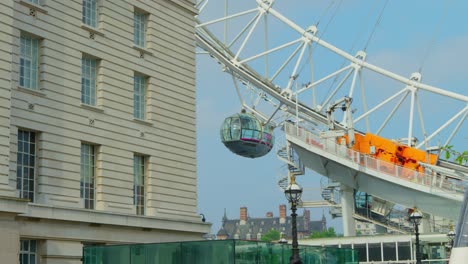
{"x":254,"y":226}
{"x":222,"y":232}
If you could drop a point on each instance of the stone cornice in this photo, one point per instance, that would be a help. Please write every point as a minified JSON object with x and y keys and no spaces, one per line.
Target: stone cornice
{"x":185,"y":4}
{"x":13,"y":205}
{"x":97,"y":217}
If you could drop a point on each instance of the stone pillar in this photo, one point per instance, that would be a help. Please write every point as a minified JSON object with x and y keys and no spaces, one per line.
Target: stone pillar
{"x":347,"y":209}
{"x":9,"y":239}
{"x":60,"y":252}
{"x":6,"y":59}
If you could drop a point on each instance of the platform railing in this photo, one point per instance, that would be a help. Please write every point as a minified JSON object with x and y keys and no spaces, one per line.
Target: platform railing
{"x":434,"y":180}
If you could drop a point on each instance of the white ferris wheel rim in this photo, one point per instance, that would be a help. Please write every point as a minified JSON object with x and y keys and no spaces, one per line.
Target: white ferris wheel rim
{"x":288,"y":100}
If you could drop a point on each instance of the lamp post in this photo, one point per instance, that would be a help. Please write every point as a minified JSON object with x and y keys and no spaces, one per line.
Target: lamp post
{"x":415,"y":218}
{"x":451,"y":237}
{"x":293,"y":193}
{"x":282,"y":239}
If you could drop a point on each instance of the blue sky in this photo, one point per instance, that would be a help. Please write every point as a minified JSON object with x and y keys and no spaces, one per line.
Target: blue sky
{"x":408,"y":30}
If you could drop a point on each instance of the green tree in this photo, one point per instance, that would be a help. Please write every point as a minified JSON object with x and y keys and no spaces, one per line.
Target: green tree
{"x":271,"y":235}
{"x":459,"y":157}
{"x":330,"y":232}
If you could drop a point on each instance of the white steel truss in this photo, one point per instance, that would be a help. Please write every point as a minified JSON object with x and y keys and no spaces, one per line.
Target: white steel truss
{"x":291,"y":56}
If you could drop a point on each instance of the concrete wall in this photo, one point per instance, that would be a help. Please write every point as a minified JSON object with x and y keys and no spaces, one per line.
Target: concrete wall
{"x":167,"y":136}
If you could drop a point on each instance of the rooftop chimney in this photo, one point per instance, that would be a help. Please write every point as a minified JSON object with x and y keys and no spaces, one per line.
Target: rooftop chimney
{"x":307,"y":220}
{"x":243,"y":215}
{"x":282,"y":214}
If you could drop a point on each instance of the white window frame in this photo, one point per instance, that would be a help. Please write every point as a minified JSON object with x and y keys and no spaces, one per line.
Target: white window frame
{"x":26,"y":154}
{"x":139,"y":96}
{"x":139,"y":183}
{"x":29,"y":61}
{"x":29,"y":253}
{"x":88,"y":175}
{"x":89,"y":72}
{"x":139,"y":28}
{"x":90,"y":13}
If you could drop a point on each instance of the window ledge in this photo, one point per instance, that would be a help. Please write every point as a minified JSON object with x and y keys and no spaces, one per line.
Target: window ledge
{"x":33,"y":6}
{"x":142,"y":49}
{"x":92,"y":108}
{"x":31,"y":91}
{"x":92,"y":29}
{"x":144,"y":122}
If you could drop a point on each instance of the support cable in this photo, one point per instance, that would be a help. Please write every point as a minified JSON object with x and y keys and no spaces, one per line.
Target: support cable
{"x":435,"y":36}
{"x":331,"y":19}
{"x":323,"y":32}
{"x":324,"y":12}
{"x":376,"y":25}
{"x":351,"y":50}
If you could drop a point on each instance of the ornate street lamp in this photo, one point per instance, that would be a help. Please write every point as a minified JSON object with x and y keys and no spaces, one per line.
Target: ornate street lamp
{"x":293,"y":193}
{"x":282,"y":239}
{"x":415,"y":218}
{"x":451,"y":237}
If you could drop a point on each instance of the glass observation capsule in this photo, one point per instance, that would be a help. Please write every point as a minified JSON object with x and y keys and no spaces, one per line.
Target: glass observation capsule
{"x":245,"y":135}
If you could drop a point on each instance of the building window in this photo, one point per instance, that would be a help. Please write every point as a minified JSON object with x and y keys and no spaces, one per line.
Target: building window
{"x":375,"y":252}
{"x":139,"y":97}
{"x":139,"y":184}
{"x":25,"y":165}
{"x":28,"y":251}
{"x":139,"y":28}
{"x":90,"y":13}
{"x":29,"y":61}
{"x":88,"y":80}
{"x":88,"y":171}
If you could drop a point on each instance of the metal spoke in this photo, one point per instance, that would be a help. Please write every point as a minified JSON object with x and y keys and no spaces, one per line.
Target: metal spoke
{"x":261,"y":72}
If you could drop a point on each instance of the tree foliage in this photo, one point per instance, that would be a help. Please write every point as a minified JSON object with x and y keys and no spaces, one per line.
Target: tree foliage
{"x":459,"y":157}
{"x":330,"y":232}
{"x":271,"y":235}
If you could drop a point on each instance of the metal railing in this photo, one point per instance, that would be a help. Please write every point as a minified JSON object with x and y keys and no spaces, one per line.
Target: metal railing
{"x":434,"y":180}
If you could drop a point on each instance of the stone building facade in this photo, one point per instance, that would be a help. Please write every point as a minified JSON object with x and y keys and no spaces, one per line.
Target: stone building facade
{"x":97,"y":126}
{"x":249,"y":228}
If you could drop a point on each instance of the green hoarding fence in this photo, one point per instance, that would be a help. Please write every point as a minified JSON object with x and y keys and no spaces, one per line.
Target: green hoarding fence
{"x":214,"y":252}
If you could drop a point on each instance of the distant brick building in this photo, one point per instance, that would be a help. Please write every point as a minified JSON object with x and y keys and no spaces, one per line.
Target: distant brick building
{"x":248,"y":228}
